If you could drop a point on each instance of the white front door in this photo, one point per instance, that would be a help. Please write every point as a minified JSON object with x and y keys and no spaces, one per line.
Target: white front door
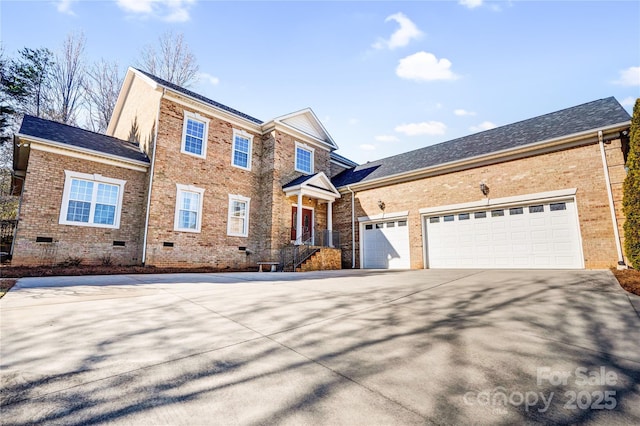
{"x":540,"y":235}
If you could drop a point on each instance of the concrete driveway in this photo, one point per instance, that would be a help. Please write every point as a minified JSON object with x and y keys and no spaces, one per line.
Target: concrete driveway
{"x":340,"y":347}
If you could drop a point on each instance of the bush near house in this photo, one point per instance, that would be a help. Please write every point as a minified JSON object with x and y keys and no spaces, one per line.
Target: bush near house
{"x":631,"y":192}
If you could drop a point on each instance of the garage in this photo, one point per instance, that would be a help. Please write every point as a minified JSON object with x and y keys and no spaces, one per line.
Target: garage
{"x":385,"y":244}
{"x":536,"y":235}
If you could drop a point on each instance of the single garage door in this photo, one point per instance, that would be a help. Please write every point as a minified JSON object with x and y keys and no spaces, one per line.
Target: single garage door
{"x":541,"y":235}
{"x":385,"y":245}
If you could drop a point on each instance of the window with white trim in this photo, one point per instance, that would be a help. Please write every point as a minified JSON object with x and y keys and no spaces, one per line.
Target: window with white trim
{"x":238,"y":224}
{"x":241,"y":152}
{"x":194,"y":134}
{"x":304,"y":158}
{"x":188,"y":215}
{"x":91,"y":200}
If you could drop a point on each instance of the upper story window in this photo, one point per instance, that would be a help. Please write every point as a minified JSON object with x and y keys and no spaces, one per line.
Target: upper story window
{"x":194,"y":134}
{"x":238,"y":224}
{"x":91,"y":200}
{"x":241,"y":153}
{"x":304,"y":158}
{"x":188,"y":215}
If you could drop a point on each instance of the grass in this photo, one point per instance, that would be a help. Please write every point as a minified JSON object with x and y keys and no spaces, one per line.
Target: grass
{"x":629,"y":279}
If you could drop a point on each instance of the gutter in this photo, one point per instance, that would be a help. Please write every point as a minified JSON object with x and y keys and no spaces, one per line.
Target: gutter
{"x":575,"y":139}
{"x":614,"y":220}
{"x":353,"y":229}
{"x":153,"y":163}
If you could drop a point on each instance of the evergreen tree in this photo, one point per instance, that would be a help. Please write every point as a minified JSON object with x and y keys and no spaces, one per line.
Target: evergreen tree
{"x":631,"y":192}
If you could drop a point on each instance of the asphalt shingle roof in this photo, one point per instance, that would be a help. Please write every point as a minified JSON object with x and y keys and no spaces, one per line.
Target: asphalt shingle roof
{"x":74,"y":136}
{"x":298,"y":181}
{"x":199,"y":97}
{"x":589,"y":116}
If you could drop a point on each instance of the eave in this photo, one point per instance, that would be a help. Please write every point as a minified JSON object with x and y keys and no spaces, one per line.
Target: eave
{"x":556,"y":144}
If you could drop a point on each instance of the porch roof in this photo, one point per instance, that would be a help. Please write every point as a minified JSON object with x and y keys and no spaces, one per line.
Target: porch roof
{"x":317,"y":186}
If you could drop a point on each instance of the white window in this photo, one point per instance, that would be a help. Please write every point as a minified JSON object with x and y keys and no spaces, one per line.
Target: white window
{"x":304,"y":158}
{"x":188,"y":216}
{"x":241,"y":153}
{"x":194,"y":134}
{"x":91,"y":200}
{"x":238,"y":225}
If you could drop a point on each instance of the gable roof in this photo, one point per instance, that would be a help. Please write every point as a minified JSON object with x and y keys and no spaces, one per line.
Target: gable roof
{"x":582,"y":118}
{"x":75,"y":137}
{"x":317,"y":185}
{"x":197,"y":96}
{"x":307,"y":123}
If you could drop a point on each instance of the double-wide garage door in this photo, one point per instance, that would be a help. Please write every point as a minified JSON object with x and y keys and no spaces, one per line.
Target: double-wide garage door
{"x":541,"y":235}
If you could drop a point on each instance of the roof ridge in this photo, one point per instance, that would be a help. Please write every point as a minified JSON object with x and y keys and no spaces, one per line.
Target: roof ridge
{"x":198,"y":96}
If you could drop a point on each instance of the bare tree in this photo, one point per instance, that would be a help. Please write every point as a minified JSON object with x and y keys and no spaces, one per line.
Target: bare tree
{"x":102,"y":86}
{"x":171,"y":60}
{"x":67,"y":80}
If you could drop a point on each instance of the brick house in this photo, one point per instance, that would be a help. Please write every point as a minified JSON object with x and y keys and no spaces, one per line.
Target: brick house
{"x":182,"y":180}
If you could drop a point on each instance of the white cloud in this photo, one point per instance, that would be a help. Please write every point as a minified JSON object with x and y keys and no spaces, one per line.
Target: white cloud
{"x":463,"y":112}
{"x":387,"y":138}
{"x":629,"y":77}
{"x":213,"y":80}
{"x":628,"y":101}
{"x":166,"y":10}
{"x":403,"y":35}
{"x":367,"y":147}
{"x":64,"y":6}
{"x":485,"y":125}
{"x":424,"y":66}
{"x":471,"y":4}
{"x":424,"y":128}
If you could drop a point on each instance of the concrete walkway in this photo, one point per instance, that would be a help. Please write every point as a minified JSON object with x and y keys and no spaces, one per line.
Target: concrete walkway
{"x":340,"y":347}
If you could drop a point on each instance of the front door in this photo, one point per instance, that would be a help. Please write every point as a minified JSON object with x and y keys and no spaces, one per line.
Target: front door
{"x":307,"y":224}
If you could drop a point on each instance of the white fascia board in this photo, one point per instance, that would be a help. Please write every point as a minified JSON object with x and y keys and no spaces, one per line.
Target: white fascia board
{"x":307,"y":110}
{"x":384,"y":216}
{"x":311,"y":193}
{"x":211,"y":110}
{"x":564,"y":142}
{"x":342,"y":164}
{"x":277,"y":125}
{"x":83,"y":153}
{"x":504,"y":201}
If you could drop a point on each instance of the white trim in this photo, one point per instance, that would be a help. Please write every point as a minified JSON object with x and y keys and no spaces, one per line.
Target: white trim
{"x":383,"y":216}
{"x":211,"y":110}
{"x":82,"y":153}
{"x":245,"y":135}
{"x":247,"y":200}
{"x":194,"y":116}
{"x":542,"y":147}
{"x":487,"y":202}
{"x":311,"y":150}
{"x":313,"y":219}
{"x":96,"y":178}
{"x":176,"y":219}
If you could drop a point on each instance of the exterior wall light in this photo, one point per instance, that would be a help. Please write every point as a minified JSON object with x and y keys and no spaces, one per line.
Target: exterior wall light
{"x":484,"y":188}
{"x":381,"y":205}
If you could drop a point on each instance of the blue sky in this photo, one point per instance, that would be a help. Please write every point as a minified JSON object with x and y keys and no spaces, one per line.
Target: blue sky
{"x":383,"y":77}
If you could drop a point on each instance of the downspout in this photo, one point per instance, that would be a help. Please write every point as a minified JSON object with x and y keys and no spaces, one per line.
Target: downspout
{"x":611,"y":205}
{"x":153,"y":163}
{"x":353,"y":229}
{"x":15,"y":230}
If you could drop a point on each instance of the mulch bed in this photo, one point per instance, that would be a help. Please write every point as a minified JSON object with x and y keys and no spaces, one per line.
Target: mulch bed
{"x":629,"y":279}
{"x":49,"y":271}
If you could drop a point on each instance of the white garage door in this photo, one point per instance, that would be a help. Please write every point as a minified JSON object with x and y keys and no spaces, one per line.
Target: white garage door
{"x":385,"y":245}
{"x":542,"y":235}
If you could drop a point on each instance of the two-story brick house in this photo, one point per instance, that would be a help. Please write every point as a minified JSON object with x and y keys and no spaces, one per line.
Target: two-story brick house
{"x":212,"y":186}
{"x":181,"y":180}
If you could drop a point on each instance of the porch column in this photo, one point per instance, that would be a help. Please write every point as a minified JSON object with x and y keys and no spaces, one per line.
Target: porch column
{"x":299,"y":220}
{"x":330,"y":223}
